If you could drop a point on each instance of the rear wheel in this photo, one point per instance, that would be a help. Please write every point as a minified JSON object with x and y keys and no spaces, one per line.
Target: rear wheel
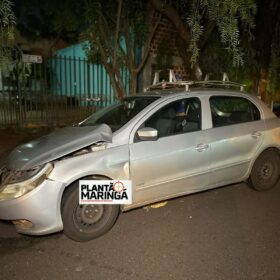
{"x":266,"y":171}
{"x":86,"y":222}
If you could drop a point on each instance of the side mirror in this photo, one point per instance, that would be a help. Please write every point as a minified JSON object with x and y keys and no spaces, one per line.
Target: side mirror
{"x":147,"y":134}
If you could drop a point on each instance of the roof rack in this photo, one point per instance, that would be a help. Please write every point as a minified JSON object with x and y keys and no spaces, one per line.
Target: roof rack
{"x":173,"y":83}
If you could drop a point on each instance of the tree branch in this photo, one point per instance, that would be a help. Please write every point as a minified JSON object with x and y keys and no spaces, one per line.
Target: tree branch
{"x":208,"y":28}
{"x":117,"y":33}
{"x":147,"y":45}
{"x":129,"y":50}
{"x":174,"y":17}
{"x":107,"y":66}
{"x":104,"y":37}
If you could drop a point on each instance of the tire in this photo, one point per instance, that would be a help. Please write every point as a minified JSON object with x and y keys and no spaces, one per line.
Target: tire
{"x":85,"y":222}
{"x":266,"y":171}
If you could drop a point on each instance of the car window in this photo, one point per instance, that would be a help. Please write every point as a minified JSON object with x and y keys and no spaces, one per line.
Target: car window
{"x":228,"y":110}
{"x":119,"y":114}
{"x":181,"y":116}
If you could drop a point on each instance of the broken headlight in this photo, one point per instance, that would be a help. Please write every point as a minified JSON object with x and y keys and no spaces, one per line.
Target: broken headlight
{"x":15,"y":176}
{"x":21,"y":185}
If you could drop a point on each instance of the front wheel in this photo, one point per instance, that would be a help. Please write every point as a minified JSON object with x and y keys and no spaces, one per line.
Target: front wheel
{"x":266,"y":171}
{"x":86,"y":222}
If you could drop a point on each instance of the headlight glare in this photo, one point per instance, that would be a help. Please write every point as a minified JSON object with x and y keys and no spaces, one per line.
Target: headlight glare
{"x":11,"y":191}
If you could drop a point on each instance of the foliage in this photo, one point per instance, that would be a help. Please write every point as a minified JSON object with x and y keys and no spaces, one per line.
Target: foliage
{"x":228,"y":16}
{"x":100,"y":25}
{"x":102,"y":20}
{"x":117,"y":31}
{"x":216,"y":60}
{"x":50,"y":19}
{"x":120,"y":32}
{"x":274,"y":67}
{"x":7,"y":23}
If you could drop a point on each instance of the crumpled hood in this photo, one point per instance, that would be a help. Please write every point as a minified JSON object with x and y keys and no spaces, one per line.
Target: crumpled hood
{"x":55,"y":145}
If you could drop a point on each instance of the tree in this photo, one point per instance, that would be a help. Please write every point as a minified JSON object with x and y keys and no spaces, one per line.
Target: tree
{"x":215,"y":60}
{"x":7,"y":23}
{"x":268,"y":41}
{"x":119,"y":29}
{"x":196,"y":20}
{"x":120,"y":32}
{"x":53,"y":20}
{"x":274,"y":67}
{"x":120,"y":37}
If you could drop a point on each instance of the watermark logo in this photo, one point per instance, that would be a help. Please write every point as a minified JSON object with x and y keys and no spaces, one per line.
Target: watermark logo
{"x":105,"y":192}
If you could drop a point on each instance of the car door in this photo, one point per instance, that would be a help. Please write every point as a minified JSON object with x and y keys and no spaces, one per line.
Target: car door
{"x":178,"y":161}
{"x":235,"y":138}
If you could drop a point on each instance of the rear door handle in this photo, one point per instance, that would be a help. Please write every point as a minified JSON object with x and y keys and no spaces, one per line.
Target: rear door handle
{"x":256,"y":134}
{"x":202,"y":147}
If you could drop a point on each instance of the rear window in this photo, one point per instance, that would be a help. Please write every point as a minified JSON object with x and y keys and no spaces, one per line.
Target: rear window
{"x":228,"y":110}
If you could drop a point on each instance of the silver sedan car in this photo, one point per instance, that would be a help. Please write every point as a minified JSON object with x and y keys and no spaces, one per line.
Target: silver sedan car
{"x":169,"y":143}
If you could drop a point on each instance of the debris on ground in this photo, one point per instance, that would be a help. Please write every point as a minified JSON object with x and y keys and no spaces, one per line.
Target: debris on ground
{"x":155,"y":206}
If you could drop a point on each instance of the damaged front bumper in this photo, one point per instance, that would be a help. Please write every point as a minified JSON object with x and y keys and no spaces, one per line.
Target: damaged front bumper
{"x":37,"y":212}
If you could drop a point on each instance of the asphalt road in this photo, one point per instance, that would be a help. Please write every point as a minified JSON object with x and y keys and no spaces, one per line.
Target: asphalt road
{"x":228,"y":233}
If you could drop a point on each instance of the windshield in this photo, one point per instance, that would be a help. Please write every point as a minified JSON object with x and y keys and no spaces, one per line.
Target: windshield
{"x":119,"y":114}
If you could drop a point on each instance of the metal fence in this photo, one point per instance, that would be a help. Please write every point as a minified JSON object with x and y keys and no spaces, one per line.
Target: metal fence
{"x":57,"y":91}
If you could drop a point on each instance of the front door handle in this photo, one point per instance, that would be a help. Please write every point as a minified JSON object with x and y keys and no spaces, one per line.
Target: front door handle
{"x":256,"y":134}
{"x":202,"y":147}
